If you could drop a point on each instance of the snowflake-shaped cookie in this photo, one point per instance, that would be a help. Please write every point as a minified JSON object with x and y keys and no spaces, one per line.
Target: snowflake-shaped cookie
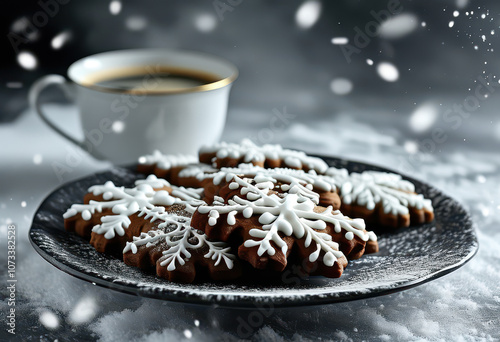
{"x":278,"y":222}
{"x":271,"y":156}
{"x":175,"y":249}
{"x":111,"y":209}
{"x":382,"y":198}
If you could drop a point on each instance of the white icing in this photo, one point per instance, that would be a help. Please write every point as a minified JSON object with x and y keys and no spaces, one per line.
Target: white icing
{"x":250,"y":152}
{"x":177,"y":238}
{"x":290,"y":215}
{"x":152,"y":181}
{"x":190,"y":197}
{"x":124,"y":202}
{"x":193,"y":170}
{"x":167,"y":161}
{"x":337,"y":173}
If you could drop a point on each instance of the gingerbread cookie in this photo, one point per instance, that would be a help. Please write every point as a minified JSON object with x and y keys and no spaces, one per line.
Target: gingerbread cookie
{"x":110,"y":211}
{"x":177,"y":251}
{"x":270,"y":225}
{"x":382,"y":199}
{"x":138,"y":222}
{"x":269,"y":156}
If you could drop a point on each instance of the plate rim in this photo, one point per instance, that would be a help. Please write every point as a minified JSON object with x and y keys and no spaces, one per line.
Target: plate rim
{"x":251,"y":300}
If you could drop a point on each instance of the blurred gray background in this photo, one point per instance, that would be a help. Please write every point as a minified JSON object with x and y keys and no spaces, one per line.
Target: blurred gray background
{"x":285,"y":53}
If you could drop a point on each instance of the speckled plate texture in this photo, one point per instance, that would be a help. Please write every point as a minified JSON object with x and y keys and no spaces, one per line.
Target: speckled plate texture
{"x":407,"y":258}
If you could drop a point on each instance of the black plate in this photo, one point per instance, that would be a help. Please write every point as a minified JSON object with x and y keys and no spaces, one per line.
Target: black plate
{"x":407,"y":258}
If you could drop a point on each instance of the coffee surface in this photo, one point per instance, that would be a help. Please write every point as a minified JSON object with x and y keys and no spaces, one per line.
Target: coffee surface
{"x":156,"y":82}
{"x":147,"y":80}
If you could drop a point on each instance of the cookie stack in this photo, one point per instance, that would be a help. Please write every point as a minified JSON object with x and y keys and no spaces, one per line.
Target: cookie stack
{"x":241,"y":208}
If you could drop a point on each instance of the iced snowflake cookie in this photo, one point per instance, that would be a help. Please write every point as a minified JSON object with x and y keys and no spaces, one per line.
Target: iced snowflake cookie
{"x":177,"y":251}
{"x":150,"y":224}
{"x":269,"y":156}
{"x":268,"y":226}
{"x":109,"y":215}
{"x":382,"y":199}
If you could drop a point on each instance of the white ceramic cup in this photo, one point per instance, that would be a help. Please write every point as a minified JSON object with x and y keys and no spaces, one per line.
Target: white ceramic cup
{"x":121,"y":125}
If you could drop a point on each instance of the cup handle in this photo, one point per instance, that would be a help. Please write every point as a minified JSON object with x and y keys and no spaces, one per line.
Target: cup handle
{"x":34,"y":101}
